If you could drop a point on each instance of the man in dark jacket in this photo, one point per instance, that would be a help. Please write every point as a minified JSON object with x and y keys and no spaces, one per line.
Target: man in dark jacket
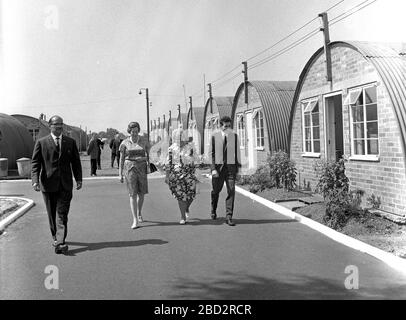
{"x":115,"y":149}
{"x":54,"y":159}
{"x":225,"y":163}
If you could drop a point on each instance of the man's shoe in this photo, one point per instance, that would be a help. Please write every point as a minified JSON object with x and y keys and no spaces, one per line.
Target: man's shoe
{"x":213,"y":215}
{"x":230,"y":222}
{"x":61,"y":248}
{"x":54,"y":244}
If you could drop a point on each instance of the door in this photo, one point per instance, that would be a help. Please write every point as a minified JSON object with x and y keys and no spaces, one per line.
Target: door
{"x":250,"y":141}
{"x":334,"y":126}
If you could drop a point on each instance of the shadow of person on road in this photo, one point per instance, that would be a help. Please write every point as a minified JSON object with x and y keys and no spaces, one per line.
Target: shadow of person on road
{"x":219,"y":221}
{"x":113,"y":244}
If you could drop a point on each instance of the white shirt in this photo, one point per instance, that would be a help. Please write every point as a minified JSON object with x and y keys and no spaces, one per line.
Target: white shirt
{"x":60,"y":140}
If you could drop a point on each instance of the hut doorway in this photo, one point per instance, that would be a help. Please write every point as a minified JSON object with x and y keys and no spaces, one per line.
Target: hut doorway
{"x":334,"y":127}
{"x":250,"y":141}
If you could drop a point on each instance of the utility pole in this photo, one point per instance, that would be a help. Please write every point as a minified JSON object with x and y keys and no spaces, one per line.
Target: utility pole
{"x":245,"y":71}
{"x":326,"y":33}
{"x":179,"y":118}
{"x":210,"y":98}
{"x":191,"y":107}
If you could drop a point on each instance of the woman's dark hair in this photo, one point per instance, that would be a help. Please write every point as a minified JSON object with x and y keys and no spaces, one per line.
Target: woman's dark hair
{"x":132,"y":125}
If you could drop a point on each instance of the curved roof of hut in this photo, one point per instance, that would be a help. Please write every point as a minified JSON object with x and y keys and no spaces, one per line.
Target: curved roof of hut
{"x":390,"y":64}
{"x":198,"y":116}
{"x":276,"y":99}
{"x":23,"y":117}
{"x":223,"y":104}
{"x":15,"y":140}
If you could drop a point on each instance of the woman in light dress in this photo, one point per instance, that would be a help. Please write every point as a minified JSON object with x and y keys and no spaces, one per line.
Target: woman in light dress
{"x":180,"y":171}
{"x":133,"y":167}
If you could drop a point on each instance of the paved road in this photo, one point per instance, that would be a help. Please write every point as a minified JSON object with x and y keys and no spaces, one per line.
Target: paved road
{"x":266,"y":256}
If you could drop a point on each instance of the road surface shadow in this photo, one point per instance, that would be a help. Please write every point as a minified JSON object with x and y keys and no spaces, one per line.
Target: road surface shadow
{"x":230,"y":286}
{"x":113,"y":244}
{"x":219,"y":221}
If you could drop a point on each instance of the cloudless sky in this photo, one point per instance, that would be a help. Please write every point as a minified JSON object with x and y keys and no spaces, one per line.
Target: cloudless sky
{"x":86,"y":60}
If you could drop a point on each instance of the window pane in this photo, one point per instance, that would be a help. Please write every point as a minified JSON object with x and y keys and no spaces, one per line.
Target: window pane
{"x":316,"y":132}
{"x":352,"y":97}
{"x":359,"y":147}
{"x":262,"y":142}
{"x":316,"y":146}
{"x":372,"y":129}
{"x":315,"y":118}
{"x":307,"y":133}
{"x":316,"y":108}
{"x":370,"y":95}
{"x":373,"y":146}
{"x":360,"y":100}
{"x":357,"y":113}
{"x":307,"y":120}
{"x":372,"y":112}
{"x":358,"y":130}
{"x":308,"y":146}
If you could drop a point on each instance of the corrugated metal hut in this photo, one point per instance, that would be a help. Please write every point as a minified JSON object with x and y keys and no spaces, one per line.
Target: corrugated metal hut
{"x":37,"y":127}
{"x":262,"y":124}
{"x":15,"y":140}
{"x":215,"y":108}
{"x":194,"y":122}
{"x":360,"y":114}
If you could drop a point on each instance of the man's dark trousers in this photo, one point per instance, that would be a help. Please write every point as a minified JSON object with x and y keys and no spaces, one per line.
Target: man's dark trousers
{"x":57,"y":205}
{"x":228,"y":176}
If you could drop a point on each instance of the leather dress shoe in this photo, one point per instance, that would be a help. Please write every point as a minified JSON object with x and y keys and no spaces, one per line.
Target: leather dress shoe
{"x":213,"y":215}
{"x":61,"y":248}
{"x":230,"y":222}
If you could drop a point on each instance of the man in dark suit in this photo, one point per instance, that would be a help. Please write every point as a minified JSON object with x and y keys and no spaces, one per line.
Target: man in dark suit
{"x":54,"y":159}
{"x":225,"y":161}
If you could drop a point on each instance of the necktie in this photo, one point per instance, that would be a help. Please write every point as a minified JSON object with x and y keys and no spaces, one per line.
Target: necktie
{"x":57,"y":145}
{"x":225,"y":150}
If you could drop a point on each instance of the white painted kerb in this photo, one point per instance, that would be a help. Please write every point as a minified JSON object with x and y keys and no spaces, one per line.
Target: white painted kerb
{"x":15,"y":215}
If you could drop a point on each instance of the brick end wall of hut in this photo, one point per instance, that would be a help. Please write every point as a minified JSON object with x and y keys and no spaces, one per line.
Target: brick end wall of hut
{"x":384,"y":178}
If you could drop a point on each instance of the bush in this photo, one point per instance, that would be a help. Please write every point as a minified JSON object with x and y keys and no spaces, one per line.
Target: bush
{"x":243,"y":180}
{"x":282,"y":170}
{"x":334,"y":186}
{"x":260,"y":180}
{"x":374,"y":202}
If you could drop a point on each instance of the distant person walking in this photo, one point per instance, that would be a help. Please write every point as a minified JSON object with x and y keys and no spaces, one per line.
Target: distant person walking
{"x":100,"y":146}
{"x":93,"y":152}
{"x":225,"y":162}
{"x":133,"y":167}
{"x":115,"y":150}
{"x":54,"y":159}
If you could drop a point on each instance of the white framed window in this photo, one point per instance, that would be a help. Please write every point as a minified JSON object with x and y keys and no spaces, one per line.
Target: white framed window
{"x":258,"y":119}
{"x":311,"y":127}
{"x":241,"y":129}
{"x":364,"y":123}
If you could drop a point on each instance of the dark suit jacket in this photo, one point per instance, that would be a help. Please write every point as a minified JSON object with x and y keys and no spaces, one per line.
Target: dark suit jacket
{"x":50,"y":170}
{"x":233,"y":153}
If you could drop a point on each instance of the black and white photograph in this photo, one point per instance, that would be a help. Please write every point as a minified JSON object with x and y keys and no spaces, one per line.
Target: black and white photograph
{"x":202,"y":157}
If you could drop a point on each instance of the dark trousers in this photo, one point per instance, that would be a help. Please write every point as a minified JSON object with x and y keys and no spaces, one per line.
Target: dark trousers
{"x":99,"y":160}
{"x":93,"y":166}
{"x":217,"y":186}
{"x":57,"y":205}
{"x":113,"y":157}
